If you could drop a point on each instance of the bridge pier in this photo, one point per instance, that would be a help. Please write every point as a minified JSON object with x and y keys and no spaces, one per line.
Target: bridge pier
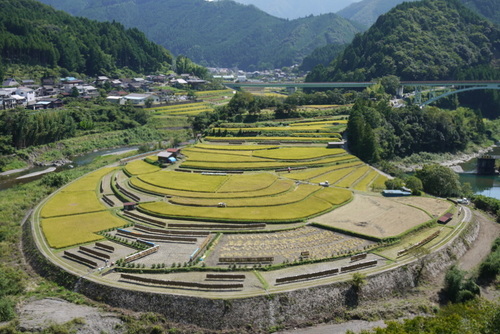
{"x":486,"y":165}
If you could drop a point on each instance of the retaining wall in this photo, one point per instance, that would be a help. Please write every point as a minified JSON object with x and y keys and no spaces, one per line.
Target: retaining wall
{"x":311,"y":305}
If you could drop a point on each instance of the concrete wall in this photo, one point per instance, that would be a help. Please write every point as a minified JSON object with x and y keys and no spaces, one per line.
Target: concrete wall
{"x":310,"y":305}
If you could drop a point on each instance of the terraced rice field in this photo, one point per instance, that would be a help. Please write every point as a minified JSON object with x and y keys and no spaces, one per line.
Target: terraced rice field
{"x":72,"y":202}
{"x":215,"y":96}
{"x":278,"y":187}
{"x":181,"y":109}
{"x":293,"y":212}
{"x":67,"y":231}
{"x":275,"y":138}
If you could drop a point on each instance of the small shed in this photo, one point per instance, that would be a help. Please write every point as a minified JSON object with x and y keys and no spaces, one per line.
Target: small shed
{"x":395,"y":193}
{"x":174,"y":151}
{"x":164,"y":156}
{"x":445,"y":218}
{"x":127,"y":206}
{"x":335,"y":144}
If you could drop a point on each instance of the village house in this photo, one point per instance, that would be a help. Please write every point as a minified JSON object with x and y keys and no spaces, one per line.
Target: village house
{"x":140,"y":99}
{"x":28,"y":94}
{"x":48,"y":103}
{"x":10,"y":83}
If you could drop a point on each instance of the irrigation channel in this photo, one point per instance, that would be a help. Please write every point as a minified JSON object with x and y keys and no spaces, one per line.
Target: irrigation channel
{"x":10,"y":179}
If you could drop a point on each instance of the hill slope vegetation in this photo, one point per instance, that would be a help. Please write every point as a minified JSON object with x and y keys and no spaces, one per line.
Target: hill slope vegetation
{"x":425,"y":40}
{"x":222,"y":33}
{"x":35,"y":34}
{"x":366,"y":12}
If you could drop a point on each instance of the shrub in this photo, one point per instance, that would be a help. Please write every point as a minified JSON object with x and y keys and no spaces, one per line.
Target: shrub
{"x":458,"y":288}
{"x":6,"y":309}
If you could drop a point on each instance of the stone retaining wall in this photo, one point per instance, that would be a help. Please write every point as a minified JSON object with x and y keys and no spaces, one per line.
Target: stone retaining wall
{"x":259,"y":313}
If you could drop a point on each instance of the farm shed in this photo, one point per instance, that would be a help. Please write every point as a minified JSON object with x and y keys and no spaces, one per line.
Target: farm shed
{"x":164,"y":156}
{"x":445,"y":218}
{"x":174,"y":151}
{"x":395,"y":193}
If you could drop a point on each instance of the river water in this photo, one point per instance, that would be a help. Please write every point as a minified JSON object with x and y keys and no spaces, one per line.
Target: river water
{"x":31,"y":174}
{"x":487,"y":185}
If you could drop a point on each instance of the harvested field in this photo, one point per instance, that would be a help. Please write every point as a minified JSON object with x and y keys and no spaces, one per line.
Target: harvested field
{"x":287,"y":245}
{"x":434,"y":206}
{"x":375,"y":216}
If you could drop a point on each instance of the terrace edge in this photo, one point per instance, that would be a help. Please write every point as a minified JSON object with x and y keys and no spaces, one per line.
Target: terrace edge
{"x":260,"y":313}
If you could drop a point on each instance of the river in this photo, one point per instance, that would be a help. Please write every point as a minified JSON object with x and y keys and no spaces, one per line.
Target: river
{"x":487,"y":185}
{"x":27,"y":175}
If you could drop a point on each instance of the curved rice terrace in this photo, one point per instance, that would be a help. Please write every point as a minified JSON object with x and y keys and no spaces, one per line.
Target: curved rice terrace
{"x":232,"y":208}
{"x":304,"y":132}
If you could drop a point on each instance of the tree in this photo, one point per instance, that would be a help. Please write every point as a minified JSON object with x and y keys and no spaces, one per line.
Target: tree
{"x":74,"y":92}
{"x":391,"y":83}
{"x":415,"y":184}
{"x":439,"y":180}
{"x":395,"y":183}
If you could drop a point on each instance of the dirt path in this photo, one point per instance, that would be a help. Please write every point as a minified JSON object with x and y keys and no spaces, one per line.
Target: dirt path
{"x":488,"y":232}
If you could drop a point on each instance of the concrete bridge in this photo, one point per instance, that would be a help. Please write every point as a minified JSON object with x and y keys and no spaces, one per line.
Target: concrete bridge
{"x":432,"y":90}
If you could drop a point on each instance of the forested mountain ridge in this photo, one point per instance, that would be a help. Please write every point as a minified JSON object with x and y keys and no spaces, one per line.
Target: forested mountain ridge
{"x":292,"y":9}
{"x":488,"y":8}
{"x":36,"y":34}
{"x":424,"y":40}
{"x":221,"y":33}
{"x":366,"y":12}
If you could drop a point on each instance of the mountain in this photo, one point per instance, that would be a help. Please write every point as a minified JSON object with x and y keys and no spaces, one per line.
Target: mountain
{"x":424,"y":40}
{"x":488,"y":8}
{"x":366,"y":12}
{"x":292,"y":9}
{"x":36,"y":34}
{"x":220,"y":33}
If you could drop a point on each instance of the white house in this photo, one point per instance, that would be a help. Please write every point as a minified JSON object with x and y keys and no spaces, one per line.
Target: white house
{"x":27,"y":93}
{"x":140,"y":99}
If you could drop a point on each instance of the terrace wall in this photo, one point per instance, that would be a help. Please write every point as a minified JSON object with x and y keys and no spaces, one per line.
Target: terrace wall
{"x":315,"y":304}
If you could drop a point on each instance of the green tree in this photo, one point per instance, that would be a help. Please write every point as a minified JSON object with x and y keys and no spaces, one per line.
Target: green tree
{"x":439,"y":180}
{"x":415,"y":184}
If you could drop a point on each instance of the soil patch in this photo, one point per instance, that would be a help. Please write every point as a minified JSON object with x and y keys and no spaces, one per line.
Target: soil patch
{"x":36,"y":315}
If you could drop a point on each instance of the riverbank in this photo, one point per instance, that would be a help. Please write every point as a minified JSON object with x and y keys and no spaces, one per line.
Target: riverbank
{"x":453,"y":161}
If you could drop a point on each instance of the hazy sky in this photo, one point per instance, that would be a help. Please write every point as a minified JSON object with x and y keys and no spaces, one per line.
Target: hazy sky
{"x":298,"y":8}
